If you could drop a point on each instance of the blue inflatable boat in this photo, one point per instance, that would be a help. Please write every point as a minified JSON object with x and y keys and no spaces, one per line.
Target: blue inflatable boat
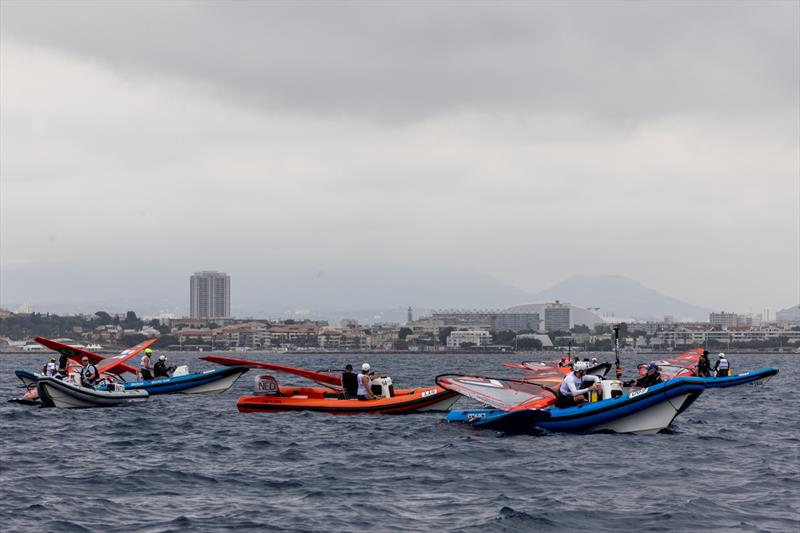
{"x":212,"y":381}
{"x":643,"y":411}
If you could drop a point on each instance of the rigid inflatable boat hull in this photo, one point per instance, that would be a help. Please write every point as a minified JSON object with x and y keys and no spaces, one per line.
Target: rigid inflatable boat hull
{"x":67,"y":395}
{"x":214,"y":381}
{"x":326,"y":401}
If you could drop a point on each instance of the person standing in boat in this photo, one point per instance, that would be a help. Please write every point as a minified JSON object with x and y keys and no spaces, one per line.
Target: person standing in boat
{"x":89,"y":373}
{"x":571,"y":392}
{"x":63,"y":361}
{"x":144,"y":368}
{"x":364,"y":391}
{"x":651,"y":377}
{"x":704,"y":365}
{"x":50,"y":368}
{"x":722,"y":367}
{"x":349,"y":383}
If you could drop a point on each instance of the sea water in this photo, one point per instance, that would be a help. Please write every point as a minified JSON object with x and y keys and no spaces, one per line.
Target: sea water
{"x":193,"y":462}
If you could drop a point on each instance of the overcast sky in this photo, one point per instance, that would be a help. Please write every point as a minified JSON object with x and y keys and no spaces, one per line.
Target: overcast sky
{"x":525,"y":141}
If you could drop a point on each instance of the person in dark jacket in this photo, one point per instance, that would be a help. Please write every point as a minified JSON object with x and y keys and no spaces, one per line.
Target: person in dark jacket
{"x":651,"y":377}
{"x":704,"y":365}
{"x":160,"y":369}
{"x":349,"y":383}
{"x":63,"y":361}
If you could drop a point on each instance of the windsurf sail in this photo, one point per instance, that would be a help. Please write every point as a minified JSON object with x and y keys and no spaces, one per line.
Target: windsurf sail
{"x":504,"y":394}
{"x":108,"y":364}
{"x":76,"y":354}
{"x":683,"y":365}
{"x":548,"y":372}
{"x":325,"y":379}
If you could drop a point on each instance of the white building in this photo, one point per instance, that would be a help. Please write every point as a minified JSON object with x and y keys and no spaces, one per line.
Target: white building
{"x":472,"y":337}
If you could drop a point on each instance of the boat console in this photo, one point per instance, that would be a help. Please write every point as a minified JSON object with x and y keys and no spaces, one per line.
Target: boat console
{"x":382,"y":387}
{"x":612,"y":388}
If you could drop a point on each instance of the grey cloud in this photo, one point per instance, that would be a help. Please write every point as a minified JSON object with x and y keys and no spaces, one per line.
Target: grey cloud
{"x":403,"y":61}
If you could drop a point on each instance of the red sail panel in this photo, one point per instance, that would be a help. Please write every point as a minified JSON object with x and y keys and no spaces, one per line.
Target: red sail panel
{"x":504,"y":394}
{"x":109,"y":364}
{"x":76,"y":354}
{"x":308,"y":374}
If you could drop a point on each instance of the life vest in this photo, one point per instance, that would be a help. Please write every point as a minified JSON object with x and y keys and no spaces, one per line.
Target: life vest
{"x":723,"y":364}
{"x":50,"y":369}
{"x":145,"y":362}
{"x":89,"y":373}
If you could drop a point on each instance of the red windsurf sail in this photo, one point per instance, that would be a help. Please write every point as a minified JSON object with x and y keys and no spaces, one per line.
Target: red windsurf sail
{"x":503,"y":394}
{"x":308,"y":374}
{"x":683,"y":365}
{"x":109,"y":364}
{"x":76,"y":354}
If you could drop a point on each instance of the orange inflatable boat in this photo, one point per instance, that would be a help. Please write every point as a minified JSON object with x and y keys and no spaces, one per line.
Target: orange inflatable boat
{"x":271,"y":397}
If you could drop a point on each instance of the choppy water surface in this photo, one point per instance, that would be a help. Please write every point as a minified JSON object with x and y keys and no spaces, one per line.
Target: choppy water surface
{"x":181,"y":462}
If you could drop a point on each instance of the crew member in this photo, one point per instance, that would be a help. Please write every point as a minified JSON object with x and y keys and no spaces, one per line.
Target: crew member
{"x":364,"y":391}
{"x":50,"y":369}
{"x":144,"y":368}
{"x":160,"y":369}
{"x":349,"y":383}
{"x":651,"y":377}
{"x":570,"y":392}
{"x":63,"y":361}
{"x":722,"y":366}
{"x":89,"y":373}
{"x":595,"y":362}
{"x":704,"y":365}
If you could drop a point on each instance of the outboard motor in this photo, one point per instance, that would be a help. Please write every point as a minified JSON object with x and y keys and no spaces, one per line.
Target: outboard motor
{"x":266,"y":385}
{"x":383,"y":388}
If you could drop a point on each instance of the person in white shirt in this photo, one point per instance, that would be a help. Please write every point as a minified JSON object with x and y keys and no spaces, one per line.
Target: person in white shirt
{"x":570,"y":392}
{"x":50,"y":368}
{"x":364,"y":384}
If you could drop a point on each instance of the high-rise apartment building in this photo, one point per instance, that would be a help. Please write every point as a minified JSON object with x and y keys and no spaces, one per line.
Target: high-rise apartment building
{"x":557,"y":317}
{"x":210,"y":295}
{"x":724,"y":320}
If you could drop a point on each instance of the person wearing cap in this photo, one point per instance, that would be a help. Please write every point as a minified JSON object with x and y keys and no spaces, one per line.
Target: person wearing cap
{"x":160,"y":369}
{"x":651,"y":377}
{"x":89,"y":373}
{"x":572,"y":390}
{"x":704,"y":365}
{"x":722,"y":366}
{"x":349,"y":383}
{"x":50,"y":368}
{"x":364,"y":390}
{"x":144,"y":368}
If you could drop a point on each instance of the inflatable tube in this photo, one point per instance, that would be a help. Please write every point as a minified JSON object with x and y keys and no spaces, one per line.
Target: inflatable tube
{"x":325,"y":401}
{"x":510,"y":421}
{"x":213,"y":381}
{"x":740,"y":379}
{"x":65,"y":394}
